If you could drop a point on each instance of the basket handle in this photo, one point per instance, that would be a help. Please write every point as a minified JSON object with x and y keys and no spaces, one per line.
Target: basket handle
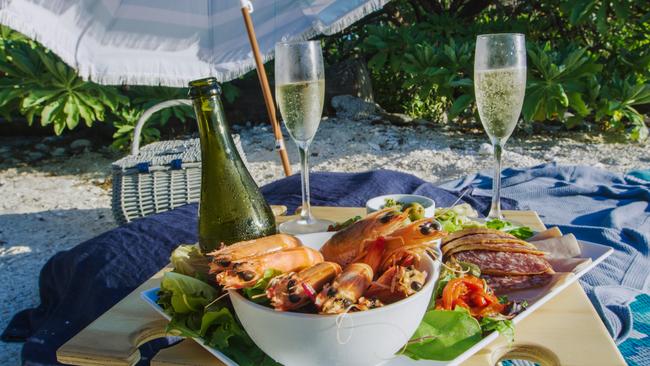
{"x":135,"y":145}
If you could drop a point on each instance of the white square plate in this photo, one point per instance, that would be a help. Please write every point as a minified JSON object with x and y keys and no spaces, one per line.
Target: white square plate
{"x":596,"y":252}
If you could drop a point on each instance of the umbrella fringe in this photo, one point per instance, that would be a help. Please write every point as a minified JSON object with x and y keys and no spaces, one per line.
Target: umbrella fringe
{"x":49,"y":41}
{"x":87,"y":71}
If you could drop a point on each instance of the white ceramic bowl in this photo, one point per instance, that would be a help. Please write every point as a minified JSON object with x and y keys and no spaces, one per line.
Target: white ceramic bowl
{"x":377,"y":203}
{"x":364,"y":338}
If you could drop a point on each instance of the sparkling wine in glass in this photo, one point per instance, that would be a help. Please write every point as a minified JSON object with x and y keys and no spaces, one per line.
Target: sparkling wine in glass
{"x":499,"y":85}
{"x":300,"y":93}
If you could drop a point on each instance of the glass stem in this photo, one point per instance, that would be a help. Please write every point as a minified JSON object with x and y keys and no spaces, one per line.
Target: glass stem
{"x":305,"y":211}
{"x":495,"y":208}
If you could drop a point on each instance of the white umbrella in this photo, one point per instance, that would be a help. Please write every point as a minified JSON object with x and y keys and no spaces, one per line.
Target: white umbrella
{"x":170,"y":42}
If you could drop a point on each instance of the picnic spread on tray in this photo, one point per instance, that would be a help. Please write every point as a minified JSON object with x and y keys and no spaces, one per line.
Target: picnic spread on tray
{"x":554,"y":327}
{"x":371,"y":263}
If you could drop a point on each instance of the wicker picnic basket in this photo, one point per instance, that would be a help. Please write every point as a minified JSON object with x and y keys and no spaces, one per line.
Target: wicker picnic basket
{"x":160,"y":176}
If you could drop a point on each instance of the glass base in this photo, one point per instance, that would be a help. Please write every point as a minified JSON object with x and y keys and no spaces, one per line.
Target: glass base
{"x":495,"y":215}
{"x":302,"y":226}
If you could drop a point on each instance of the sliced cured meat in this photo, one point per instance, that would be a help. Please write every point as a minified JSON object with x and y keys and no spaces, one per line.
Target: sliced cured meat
{"x":504,"y":284}
{"x":500,"y":247}
{"x":480,"y":239}
{"x":474,"y":231}
{"x":505,"y":263}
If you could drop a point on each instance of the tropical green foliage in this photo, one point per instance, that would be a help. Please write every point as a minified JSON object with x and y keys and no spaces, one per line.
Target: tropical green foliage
{"x":560,"y":81}
{"x":588,"y":60}
{"x":36,"y":84}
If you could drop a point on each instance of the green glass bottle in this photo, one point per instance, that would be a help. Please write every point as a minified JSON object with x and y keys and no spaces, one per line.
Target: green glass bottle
{"x":232,"y":207}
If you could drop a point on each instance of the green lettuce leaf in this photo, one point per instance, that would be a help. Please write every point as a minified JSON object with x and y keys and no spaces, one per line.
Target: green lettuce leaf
{"x":457,"y":218}
{"x":256,"y":292}
{"x":497,"y":224}
{"x":218,"y":326}
{"x":522,"y":233}
{"x":188,"y":260}
{"x":197,"y":312}
{"x":505,"y":327}
{"x":186,"y":294}
{"x":443,"y":335}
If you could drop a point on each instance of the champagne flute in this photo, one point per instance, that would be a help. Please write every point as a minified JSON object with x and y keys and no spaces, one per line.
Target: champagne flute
{"x":300,"y":92}
{"x":499,"y":86}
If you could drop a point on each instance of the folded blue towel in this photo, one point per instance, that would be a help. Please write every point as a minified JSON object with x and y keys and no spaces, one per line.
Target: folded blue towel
{"x":596,"y":206}
{"x":641,"y":174}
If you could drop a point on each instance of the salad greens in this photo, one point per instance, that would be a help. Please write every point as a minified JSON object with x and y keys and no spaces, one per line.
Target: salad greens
{"x":187,"y":294}
{"x":463,"y":216}
{"x":458,"y":218}
{"x":443,"y":335}
{"x":198,"y":311}
{"x":505,"y":327}
{"x":447,"y":275}
{"x":521,"y":232}
{"x":342,"y":225}
{"x":188,"y":260}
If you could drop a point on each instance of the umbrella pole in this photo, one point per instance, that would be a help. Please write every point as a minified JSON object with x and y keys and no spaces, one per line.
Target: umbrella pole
{"x":266,"y":91}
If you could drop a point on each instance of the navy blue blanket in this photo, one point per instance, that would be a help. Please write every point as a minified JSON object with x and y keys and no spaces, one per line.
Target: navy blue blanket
{"x":78,"y":285}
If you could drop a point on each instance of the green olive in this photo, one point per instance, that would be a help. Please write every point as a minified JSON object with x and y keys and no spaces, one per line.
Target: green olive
{"x":417,"y":210}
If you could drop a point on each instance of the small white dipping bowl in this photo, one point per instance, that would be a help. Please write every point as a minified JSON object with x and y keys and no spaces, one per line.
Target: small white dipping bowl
{"x":363,"y":338}
{"x":377,"y":203}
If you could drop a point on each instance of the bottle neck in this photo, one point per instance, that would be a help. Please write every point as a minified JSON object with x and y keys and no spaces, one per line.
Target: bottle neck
{"x":214,"y":130}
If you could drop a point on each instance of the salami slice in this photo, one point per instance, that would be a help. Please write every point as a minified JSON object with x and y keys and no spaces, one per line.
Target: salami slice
{"x":505,"y":263}
{"x":504,"y":284}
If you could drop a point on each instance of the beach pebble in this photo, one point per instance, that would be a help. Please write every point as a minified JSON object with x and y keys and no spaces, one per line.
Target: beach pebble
{"x":348,"y":106}
{"x":485,"y":149}
{"x":80,"y":144}
{"x":59,"y":151}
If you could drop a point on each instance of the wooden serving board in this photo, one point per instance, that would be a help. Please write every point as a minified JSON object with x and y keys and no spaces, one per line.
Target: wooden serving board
{"x":565,"y":331}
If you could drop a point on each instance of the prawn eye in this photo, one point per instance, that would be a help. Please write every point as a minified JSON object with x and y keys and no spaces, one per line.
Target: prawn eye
{"x":387,"y":217}
{"x":246,"y":275}
{"x":224,"y":263}
{"x":430,"y":226}
{"x":294,"y":298}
